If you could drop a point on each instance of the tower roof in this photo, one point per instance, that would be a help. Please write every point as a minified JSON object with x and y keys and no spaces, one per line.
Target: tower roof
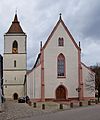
{"x":15,"y":26}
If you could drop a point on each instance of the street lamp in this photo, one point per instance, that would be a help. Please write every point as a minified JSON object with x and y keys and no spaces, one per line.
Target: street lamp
{"x":78,"y":90}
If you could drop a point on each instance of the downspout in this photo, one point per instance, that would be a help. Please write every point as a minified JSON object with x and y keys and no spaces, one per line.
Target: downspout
{"x":80,"y":92}
{"x":42,"y":73}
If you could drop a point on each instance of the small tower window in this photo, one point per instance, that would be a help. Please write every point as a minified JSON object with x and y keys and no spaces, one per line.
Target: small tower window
{"x":60,"y":42}
{"x":15,"y":47}
{"x":14,"y":63}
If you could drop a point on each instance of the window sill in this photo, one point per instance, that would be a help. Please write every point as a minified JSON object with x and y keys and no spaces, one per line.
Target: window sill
{"x":61,"y":77}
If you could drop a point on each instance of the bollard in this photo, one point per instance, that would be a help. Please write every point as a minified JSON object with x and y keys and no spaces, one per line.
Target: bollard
{"x":30,"y":103}
{"x":96,"y":101}
{"x":61,"y":106}
{"x":80,"y":104}
{"x":34,"y":104}
{"x":43,"y":106}
{"x":89,"y":102}
{"x":71,"y":105}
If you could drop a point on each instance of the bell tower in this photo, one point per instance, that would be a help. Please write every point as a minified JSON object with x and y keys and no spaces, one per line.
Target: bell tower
{"x":15,"y":60}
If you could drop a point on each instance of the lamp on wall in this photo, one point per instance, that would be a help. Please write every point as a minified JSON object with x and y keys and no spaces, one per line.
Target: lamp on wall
{"x":78,"y":89}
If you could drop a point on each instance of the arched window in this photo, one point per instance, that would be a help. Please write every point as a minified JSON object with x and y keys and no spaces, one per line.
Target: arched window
{"x":61,"y":65}
{"x":60,"y":41}
{"x":15,"y":47}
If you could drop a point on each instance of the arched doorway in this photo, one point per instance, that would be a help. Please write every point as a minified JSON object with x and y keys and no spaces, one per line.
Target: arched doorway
{"x":15,"y":96}
{"x":61,"y":93}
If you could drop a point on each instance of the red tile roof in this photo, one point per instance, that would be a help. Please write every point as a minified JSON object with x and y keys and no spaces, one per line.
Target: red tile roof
{"x":15,"y":26}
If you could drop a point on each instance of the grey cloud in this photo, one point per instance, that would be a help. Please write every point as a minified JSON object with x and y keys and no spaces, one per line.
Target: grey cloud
{"x":87,"y":18}
{"x":38,"y":18}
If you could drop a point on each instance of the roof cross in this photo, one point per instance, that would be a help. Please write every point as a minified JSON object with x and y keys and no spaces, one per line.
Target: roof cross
{"x":16,"y":11}
{"x":60,"y":16}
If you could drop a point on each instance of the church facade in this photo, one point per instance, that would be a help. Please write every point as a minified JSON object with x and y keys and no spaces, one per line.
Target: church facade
{"x":58,"y":73}
{"x":15,"y":61}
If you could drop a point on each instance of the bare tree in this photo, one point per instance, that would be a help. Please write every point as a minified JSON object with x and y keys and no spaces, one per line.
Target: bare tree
{"x":96,"y":69}
{"x":90,"y":83}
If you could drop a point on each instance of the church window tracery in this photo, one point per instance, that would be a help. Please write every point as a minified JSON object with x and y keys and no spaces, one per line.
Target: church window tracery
{"x":61,"y":65}
{"x":60,"y":41}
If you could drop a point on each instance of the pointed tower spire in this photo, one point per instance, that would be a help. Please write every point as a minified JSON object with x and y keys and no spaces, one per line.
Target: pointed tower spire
{"x":15,"y":18}
{"x":15,"y":26}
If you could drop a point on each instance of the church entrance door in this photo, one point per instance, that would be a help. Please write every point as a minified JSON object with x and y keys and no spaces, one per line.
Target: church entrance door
{"x":61,"y":93}
{"x":15,"y":96}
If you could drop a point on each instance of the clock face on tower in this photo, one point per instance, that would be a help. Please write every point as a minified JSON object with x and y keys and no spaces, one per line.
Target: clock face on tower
{"x":14,"y":50}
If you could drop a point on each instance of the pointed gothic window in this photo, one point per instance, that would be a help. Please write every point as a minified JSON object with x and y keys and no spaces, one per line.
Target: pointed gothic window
{"x":61,"y":65}
{"x":15,"y":47}
{"x":60,"y":41}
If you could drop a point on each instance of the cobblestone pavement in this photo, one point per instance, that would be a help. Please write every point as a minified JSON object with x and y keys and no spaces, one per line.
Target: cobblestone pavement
{"x":20,"y":111}
{"x":15,"y":111}
{"x":82,"y":113}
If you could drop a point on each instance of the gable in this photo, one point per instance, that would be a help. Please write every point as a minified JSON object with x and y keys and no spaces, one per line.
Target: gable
{"x":61,"y":28}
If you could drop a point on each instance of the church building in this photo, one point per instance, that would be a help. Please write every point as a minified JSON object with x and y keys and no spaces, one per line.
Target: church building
{"x":58,"y":73}
{"x":15,"y":61}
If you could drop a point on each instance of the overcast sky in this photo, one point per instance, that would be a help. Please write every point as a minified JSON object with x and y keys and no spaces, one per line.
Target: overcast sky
{"x":38,"y":17}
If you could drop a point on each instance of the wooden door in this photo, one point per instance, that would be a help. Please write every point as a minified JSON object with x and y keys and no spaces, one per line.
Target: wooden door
{"x":15,"y":96}
{"x":61,"y":93}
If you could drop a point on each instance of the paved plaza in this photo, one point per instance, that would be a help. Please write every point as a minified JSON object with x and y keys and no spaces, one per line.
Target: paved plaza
{"x":22,"y":111}
{"x":14,"y":111}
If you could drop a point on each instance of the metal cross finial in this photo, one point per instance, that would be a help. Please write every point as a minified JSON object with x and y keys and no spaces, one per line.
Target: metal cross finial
{"x":60,"y":15}
{"x":79,"y":44}
{"x":16,"y":11}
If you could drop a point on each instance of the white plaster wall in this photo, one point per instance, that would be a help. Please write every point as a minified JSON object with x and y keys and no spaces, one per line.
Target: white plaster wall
{"x":14,"y":77}
{"x":37,"y":82}
{"x":30,"y":84}
{"x":34,"y":83}
{"x":9,"y":61}
{"x":9,"y":39}
{"x":10,"y":90}
{"x":86,"y":73}
{"x":50,"y":64}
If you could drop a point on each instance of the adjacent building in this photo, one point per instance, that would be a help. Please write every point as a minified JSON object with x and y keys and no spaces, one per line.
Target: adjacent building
{"x":1,"y":79}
